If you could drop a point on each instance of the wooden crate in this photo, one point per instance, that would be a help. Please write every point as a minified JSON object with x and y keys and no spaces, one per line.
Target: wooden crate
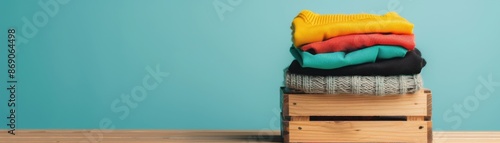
{"x":356,"y":118}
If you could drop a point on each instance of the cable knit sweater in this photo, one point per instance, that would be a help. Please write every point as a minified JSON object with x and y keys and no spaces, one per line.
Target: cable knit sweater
{"x":374,"y":85}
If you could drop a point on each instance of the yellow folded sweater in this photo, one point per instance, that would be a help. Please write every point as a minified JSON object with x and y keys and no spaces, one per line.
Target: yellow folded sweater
{"x":308,"y":27}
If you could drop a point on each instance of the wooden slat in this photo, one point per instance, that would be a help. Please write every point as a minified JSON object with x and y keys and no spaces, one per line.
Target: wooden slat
{"x":285,"y":133}
{"x":299,"y":118}
{"x":285,"y":105}
{"x":415,"y":118}
{"x":429,"y":103}
{"x":426,"y":90}
{"x":137,"y":136}
{"x":162,"y":136}
{"x":358,"y":131}
{"x":429,"y":132}
{"x":357,"y":105}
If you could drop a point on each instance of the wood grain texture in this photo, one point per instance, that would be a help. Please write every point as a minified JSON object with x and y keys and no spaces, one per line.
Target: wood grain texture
{"x":285,"y":133}
{"x":285,"y":105}
{"x":356,"y":105}
{"x":177,"y":136}
{"x":299,"y":118}
{"x":429,"y":103}
{"x":429,"y":132}
{"x":415,"y":118}
{"x":358,"y":131}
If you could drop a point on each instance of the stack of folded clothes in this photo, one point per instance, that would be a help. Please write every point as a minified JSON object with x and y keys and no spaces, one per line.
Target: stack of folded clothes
{"x":354,"y":54}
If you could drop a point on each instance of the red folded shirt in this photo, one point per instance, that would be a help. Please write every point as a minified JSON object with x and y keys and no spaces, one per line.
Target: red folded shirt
{"x":358,"y":41}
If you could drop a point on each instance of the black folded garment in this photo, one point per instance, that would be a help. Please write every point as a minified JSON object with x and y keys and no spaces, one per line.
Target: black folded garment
{"x":412,"y":63}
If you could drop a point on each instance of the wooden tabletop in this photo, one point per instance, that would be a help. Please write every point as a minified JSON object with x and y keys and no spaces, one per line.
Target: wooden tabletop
{"x":162,"y":136}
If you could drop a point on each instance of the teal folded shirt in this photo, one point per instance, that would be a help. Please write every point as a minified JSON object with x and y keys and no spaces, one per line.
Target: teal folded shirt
{"x":341,"y":59}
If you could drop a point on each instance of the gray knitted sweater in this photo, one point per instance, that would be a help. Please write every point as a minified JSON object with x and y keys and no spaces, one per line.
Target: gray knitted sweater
{"x":374,"y":85}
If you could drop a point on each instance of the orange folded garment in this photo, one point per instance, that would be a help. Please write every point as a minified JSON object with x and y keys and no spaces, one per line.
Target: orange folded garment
{"x":353,"y":42}
{"x":308,"y":27}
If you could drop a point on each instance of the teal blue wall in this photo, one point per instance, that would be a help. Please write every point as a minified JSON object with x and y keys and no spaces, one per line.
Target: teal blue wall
{"x":221,"y":72}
